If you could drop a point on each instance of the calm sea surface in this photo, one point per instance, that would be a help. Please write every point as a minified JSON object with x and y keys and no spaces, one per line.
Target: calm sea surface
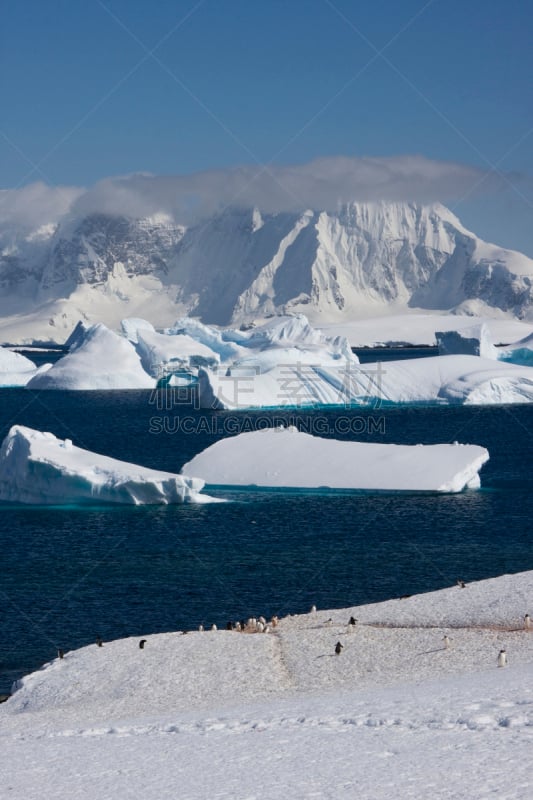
{"x":70,"y":574}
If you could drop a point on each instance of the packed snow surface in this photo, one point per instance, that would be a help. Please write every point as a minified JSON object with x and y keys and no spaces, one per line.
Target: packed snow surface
{"x":285,"y":457}
{"x":400,"y":712}
{"x":38,"y":468}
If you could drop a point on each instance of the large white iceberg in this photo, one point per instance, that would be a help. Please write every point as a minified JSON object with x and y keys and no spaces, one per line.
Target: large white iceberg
{"x":285,"y":457}
{"x":277,"y":383}
{"x":98,"y":359}
{"x":38,"y":468}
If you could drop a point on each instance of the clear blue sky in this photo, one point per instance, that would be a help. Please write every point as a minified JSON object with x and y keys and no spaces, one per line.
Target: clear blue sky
{"x":240,"y":81}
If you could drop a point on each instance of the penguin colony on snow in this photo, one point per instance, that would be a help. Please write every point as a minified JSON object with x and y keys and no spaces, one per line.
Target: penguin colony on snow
{"x":260,"y":625}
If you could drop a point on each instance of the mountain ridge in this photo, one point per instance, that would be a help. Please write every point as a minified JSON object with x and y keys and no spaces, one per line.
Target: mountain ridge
{"x":240,"y":264}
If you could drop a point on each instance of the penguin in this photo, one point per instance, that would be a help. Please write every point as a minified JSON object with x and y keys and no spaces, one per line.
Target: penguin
{"x":461,"y":583}
{"x":447,"y":642}
{"x":142,"y":643}
{"x":262,"y":620}
{"x":229,"y":626}
{"x":99,"y":641}
{"x":338,"y":648}
{"x":238,"y":626}
{"x":274,"y":621}
{"x":259,"y":627}
{"x":502,"y":658}
{"x":201,"y":628}
{"x":352,"y":622}
{"x":60,"y":653}
{"x":527,"y":622}
{"x":214,"y":627}
{"x":312,"y":610}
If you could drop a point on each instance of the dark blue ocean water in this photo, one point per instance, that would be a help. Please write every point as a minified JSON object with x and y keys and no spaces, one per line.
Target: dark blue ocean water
{"x":69,"y":574}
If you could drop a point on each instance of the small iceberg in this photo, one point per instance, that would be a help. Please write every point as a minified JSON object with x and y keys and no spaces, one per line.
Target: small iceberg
{"x":16,"y":370}
{"x":38,"y":468}
{"x":287,"y":458}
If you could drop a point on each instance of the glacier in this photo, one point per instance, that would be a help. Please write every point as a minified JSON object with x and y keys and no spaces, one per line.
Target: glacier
{"x":286,"y":457}
{"x":39,"y":469}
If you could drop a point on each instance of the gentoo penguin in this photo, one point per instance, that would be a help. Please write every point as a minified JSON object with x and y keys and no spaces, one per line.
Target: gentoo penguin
{"x":214,"y":627}
{"x":259,"y":627}
{"x":338,"y":648}
{"x":142,"y":643}
{"x":527,"y":622}
{"x":60,"y":654}
{"x":352,"y":621}
{"x":312,"y":610}
{"x":461,"y":583}
{"x":447,"y":642}
{"x":99,"y":641}
{"x":502,"y":658}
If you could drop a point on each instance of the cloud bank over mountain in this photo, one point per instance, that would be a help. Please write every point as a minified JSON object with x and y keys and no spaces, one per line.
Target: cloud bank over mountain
{"x":325,"y":183}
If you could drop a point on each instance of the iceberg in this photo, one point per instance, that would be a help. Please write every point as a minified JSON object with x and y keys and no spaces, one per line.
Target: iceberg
{"x":98,"y":360}
{"x":16,"y":370}
{"x":285,"y":457}
{"x":38,"y":468}
{"x":520,"y":352}
{"x":132,"y":325}
{"x":163,"y":355}
{"x":474,"y":341}
{"x":457,"y":379}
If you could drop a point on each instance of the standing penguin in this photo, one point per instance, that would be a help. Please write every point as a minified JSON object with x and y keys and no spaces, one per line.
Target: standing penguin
{"x":502,"y":658}
{"x":99,"y":641}
{"x":142,"y":643}
{"x":338,"y":648}
{"x":527,"y":622}
{"x":60,"y":653}
{"x":447,"y":642}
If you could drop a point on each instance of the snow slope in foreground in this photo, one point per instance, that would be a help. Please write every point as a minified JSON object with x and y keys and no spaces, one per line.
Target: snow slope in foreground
{"x":285,"y":457}
{"x":38,"y":468}
{"x":229,"y":715}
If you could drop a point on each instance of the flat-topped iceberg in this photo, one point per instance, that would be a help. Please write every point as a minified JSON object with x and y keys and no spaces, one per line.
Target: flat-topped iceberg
{"x":274,"y":382}
{"x":37,"y":468}
{"x":98,"y":359}
{"x":285,"y":457}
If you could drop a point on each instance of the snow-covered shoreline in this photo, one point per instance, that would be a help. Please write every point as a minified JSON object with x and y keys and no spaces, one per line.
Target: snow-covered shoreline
{"x":395,"y":712}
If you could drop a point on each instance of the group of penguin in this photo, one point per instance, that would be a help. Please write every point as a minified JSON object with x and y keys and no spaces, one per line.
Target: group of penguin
{"x":260,"y":625}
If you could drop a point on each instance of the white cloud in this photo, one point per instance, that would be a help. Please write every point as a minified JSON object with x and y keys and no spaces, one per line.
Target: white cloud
{"x":321,"y":184}
{"x":36,"y":205}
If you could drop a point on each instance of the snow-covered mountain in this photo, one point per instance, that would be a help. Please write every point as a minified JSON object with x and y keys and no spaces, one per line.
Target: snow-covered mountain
{"x":363,"y":260}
